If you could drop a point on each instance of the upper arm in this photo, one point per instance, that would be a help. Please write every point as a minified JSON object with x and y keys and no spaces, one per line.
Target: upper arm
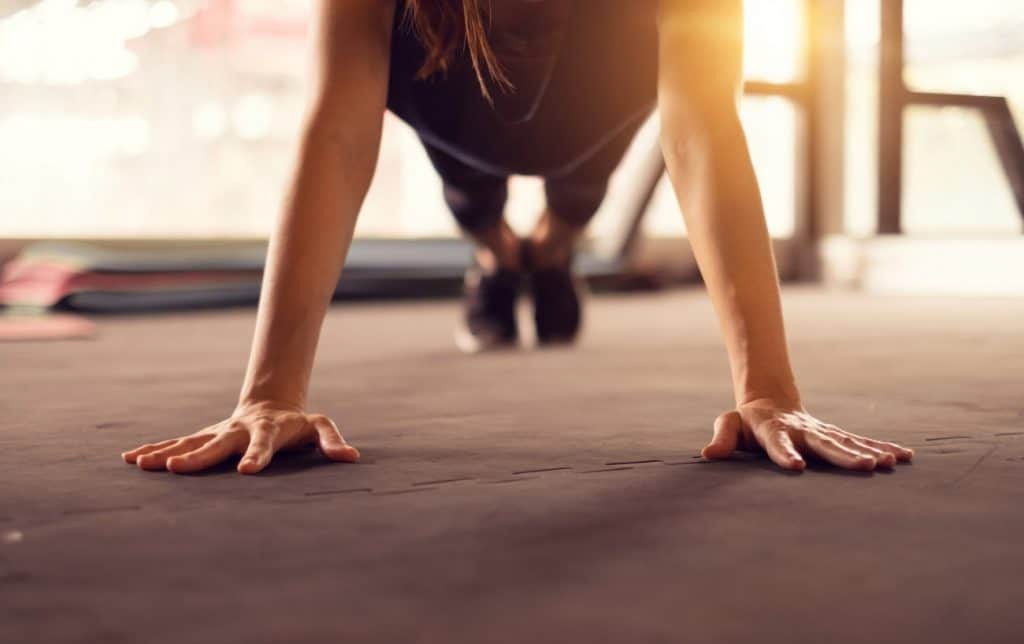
{"x":352,"y":58}
{"x":700,"y":50}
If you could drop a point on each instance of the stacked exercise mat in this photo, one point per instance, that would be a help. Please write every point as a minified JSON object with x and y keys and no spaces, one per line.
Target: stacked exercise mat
{"x":153,"y":276}
{"x":109,"y":277}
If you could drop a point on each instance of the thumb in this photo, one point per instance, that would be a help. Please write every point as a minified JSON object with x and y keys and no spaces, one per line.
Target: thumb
{"x":726,"y":436}
{"x":330,"y":441}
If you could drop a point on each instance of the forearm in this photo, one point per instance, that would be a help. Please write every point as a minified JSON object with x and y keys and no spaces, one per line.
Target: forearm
{"x":338,"y":153}
{"x":711,"y":171}
{"x":304,"y":262}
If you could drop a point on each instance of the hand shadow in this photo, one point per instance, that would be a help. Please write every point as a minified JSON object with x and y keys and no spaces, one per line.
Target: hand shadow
{"x":760,"y":460}
{"x":285,"y":463}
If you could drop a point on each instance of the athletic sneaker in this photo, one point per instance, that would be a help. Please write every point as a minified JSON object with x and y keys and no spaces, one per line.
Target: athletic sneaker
{"x":489,"y":310}
{"x":557,"y":309}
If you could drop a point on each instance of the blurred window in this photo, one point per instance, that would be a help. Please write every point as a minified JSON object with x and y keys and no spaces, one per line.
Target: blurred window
{"x":953,"y":180}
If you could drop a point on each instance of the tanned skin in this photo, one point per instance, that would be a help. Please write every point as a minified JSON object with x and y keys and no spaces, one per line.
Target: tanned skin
{"x":705,"y":150}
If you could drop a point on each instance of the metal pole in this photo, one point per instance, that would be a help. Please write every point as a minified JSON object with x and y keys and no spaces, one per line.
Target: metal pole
{"x":892,"y":100}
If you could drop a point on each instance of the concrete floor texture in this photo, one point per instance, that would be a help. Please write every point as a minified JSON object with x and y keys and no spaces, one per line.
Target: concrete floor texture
{"x":532,"y":496}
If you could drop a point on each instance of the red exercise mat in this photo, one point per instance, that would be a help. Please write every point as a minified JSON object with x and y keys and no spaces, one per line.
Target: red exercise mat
{"x":45,"y":284}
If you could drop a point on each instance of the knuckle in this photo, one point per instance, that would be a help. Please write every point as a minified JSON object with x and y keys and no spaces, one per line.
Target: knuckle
{"x":238,"y":434}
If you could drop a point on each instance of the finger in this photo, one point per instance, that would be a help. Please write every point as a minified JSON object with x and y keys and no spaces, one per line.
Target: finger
{"x":837,"y":454}
{"x":883,"y":457}
{"x":780,"y":449}
{"x":725,"y":438}
{"x":901,"y":453}
{"x":158,"y":460}
{"x":258,"y":454}
{"x":208,"y":455}
{"x":331,"y":442}
{"x":130,"y":456}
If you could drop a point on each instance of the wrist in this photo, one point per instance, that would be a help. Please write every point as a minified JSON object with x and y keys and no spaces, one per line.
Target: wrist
{"x":253,"y":401}
{"x":780,"y":394}
{"x":764,"y":378}
{"x":775,"y":403}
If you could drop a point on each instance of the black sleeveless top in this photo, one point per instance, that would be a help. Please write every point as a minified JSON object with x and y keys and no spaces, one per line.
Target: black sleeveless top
{"x":582,"y":71}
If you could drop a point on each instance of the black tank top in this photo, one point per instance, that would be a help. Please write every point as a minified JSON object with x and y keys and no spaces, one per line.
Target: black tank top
{"x":582,"y":70}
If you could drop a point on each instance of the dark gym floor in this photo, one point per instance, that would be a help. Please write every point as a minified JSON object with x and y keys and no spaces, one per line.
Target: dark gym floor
{"x":535,"y":497}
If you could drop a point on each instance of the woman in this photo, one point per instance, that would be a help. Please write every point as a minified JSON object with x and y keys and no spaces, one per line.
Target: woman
{"x":554,"y":88}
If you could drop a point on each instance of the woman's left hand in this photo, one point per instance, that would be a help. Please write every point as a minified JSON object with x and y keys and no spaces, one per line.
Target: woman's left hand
{"x":788,"y":434}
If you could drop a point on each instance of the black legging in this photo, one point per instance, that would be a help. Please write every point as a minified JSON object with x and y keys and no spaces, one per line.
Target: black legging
{"x":477,"y":197}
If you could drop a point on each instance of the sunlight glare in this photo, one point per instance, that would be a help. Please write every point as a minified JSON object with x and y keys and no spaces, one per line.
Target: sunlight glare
{"x":773,"y":40}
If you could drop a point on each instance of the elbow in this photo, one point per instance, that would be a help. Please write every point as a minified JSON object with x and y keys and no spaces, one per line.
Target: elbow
{"x":326,"y":123}
{"x":692,"y":121}
{"x":342,"y":150}
{"x":342,"y":134}
{"x":680,"y":144}
{"x":685,"y":133}
{"x":700,"y":107}
{"x":327,"y":133}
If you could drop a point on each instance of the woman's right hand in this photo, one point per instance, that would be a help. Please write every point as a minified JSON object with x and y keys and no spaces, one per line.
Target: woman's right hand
{"x":256,"y":430}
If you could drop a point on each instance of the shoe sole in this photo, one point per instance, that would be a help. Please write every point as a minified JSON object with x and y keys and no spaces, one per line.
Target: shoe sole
{"x":469,"y":343}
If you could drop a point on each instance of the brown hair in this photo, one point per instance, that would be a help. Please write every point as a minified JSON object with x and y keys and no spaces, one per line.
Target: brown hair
{"x":443,"y":26}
